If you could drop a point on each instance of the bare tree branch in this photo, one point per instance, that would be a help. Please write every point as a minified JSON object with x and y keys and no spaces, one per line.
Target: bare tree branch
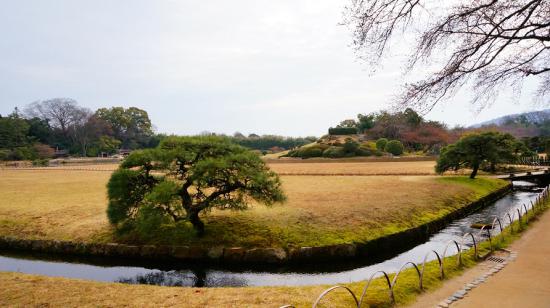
{"x":490,"y":44}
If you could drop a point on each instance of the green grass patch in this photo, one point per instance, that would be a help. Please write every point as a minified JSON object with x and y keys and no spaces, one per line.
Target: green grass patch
{"x":286,"y":226}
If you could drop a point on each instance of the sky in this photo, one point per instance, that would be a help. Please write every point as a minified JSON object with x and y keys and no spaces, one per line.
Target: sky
{"x":282,"y":67}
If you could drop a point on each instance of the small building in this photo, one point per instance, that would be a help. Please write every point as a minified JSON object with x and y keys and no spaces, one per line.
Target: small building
{"x":124,"y":152}
{"x":60,"y":153}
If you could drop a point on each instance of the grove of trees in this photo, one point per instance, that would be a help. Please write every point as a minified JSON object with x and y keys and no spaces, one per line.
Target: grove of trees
{"x":416,"y":133}
{"x":270,"y":142}
{"x":62,"y":124}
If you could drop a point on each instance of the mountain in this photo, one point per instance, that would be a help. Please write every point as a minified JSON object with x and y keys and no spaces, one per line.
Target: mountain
{"x":526,"y":118}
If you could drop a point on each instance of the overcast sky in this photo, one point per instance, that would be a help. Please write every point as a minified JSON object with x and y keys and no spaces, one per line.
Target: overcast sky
{"x":269,"y":67}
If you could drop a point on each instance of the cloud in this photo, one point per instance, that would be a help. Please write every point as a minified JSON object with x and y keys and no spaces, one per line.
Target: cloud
{"x":282,"y":67}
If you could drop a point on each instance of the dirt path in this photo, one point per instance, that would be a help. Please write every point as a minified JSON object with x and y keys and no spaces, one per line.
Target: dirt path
{"x":523,"y":283}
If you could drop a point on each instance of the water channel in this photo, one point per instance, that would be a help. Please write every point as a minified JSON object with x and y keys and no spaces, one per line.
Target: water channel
{"x":172,"y":274}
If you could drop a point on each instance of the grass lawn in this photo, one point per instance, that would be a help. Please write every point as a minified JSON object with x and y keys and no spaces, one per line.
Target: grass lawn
{"x":355,"y":168}
{"x":321,"y":210}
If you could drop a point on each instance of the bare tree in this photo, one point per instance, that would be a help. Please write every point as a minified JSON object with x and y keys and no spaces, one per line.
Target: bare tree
{"x":61,"y":113}
{"x":488,"y":44}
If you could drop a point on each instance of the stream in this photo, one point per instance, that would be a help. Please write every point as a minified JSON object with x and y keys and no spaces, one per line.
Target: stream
{"x":173,"y":274}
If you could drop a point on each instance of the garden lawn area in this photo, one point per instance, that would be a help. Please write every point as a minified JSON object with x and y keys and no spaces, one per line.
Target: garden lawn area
{"x":321,"y":210}
{"x":355,"y":168}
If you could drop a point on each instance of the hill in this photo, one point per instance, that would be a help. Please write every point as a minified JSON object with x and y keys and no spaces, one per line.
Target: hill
{"x":526,"y":118}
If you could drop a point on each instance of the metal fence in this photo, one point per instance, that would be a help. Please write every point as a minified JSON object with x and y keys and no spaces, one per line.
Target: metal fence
{"x":459,"y":245}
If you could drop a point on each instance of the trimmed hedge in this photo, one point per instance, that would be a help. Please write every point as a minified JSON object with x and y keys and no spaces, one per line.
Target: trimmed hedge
{"x":334,"y":152}
{"x":381,"y":144}
{"x":309,"y":151}
{"x":394,"y":147}
{"x":342,"y":131}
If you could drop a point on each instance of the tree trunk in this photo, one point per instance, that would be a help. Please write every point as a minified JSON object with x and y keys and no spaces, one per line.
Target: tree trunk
{"x":474,"y":172}
{"x":198,"y":225}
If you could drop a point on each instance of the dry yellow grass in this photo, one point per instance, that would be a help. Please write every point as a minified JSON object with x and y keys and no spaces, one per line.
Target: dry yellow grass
{"x":22,"y":290}
{"x":76,"y":167}
{"x":34,"y":291}
{"x":70,"y":205}
{"x":66,"y":205}
{"x":362,"y":168}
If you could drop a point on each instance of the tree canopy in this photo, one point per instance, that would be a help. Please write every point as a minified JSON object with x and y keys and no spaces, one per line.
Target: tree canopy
{"x":474,"y":150}
{"x":185,"y":176}
{"x":489,"y":44}
{"x":63,"y":124}
{"x":131,"y":126}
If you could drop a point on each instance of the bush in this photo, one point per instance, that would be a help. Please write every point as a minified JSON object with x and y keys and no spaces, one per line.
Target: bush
{"x":342,"y":131}
{"x":364,"y":151}
{"x":22,"y":153}
{"x":4,"y":154}
{"x":371,"y":145}
{"x":41,"y":162}
{"x":308,"y":152}
{"x":334,"y":152}
{"x":394,"y":147}
{"x":44,"y":151}
{"x":350,"y":146}
{"x":381,"y":144}
{"x":93,"y":151}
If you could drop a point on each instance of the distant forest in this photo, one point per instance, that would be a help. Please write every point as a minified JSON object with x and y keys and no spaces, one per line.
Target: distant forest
{"x":60,"y":126}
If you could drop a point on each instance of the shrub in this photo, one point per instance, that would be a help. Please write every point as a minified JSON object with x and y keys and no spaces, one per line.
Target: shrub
{"x":41,"y":162}
{"x":350,"y":146}
{"x":4,"y":154}
{"x":291,"y":153}
{"x":309,"y":152}
{"x":381,"y":144}
{"x":334,"y":152}
{"x":22,"y":153}
{"x":371,"y":145}
{"x":43,"y":151}
{"x":342,"y":131}
{"x":363,"y":151}
{"x":394,"y":147}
